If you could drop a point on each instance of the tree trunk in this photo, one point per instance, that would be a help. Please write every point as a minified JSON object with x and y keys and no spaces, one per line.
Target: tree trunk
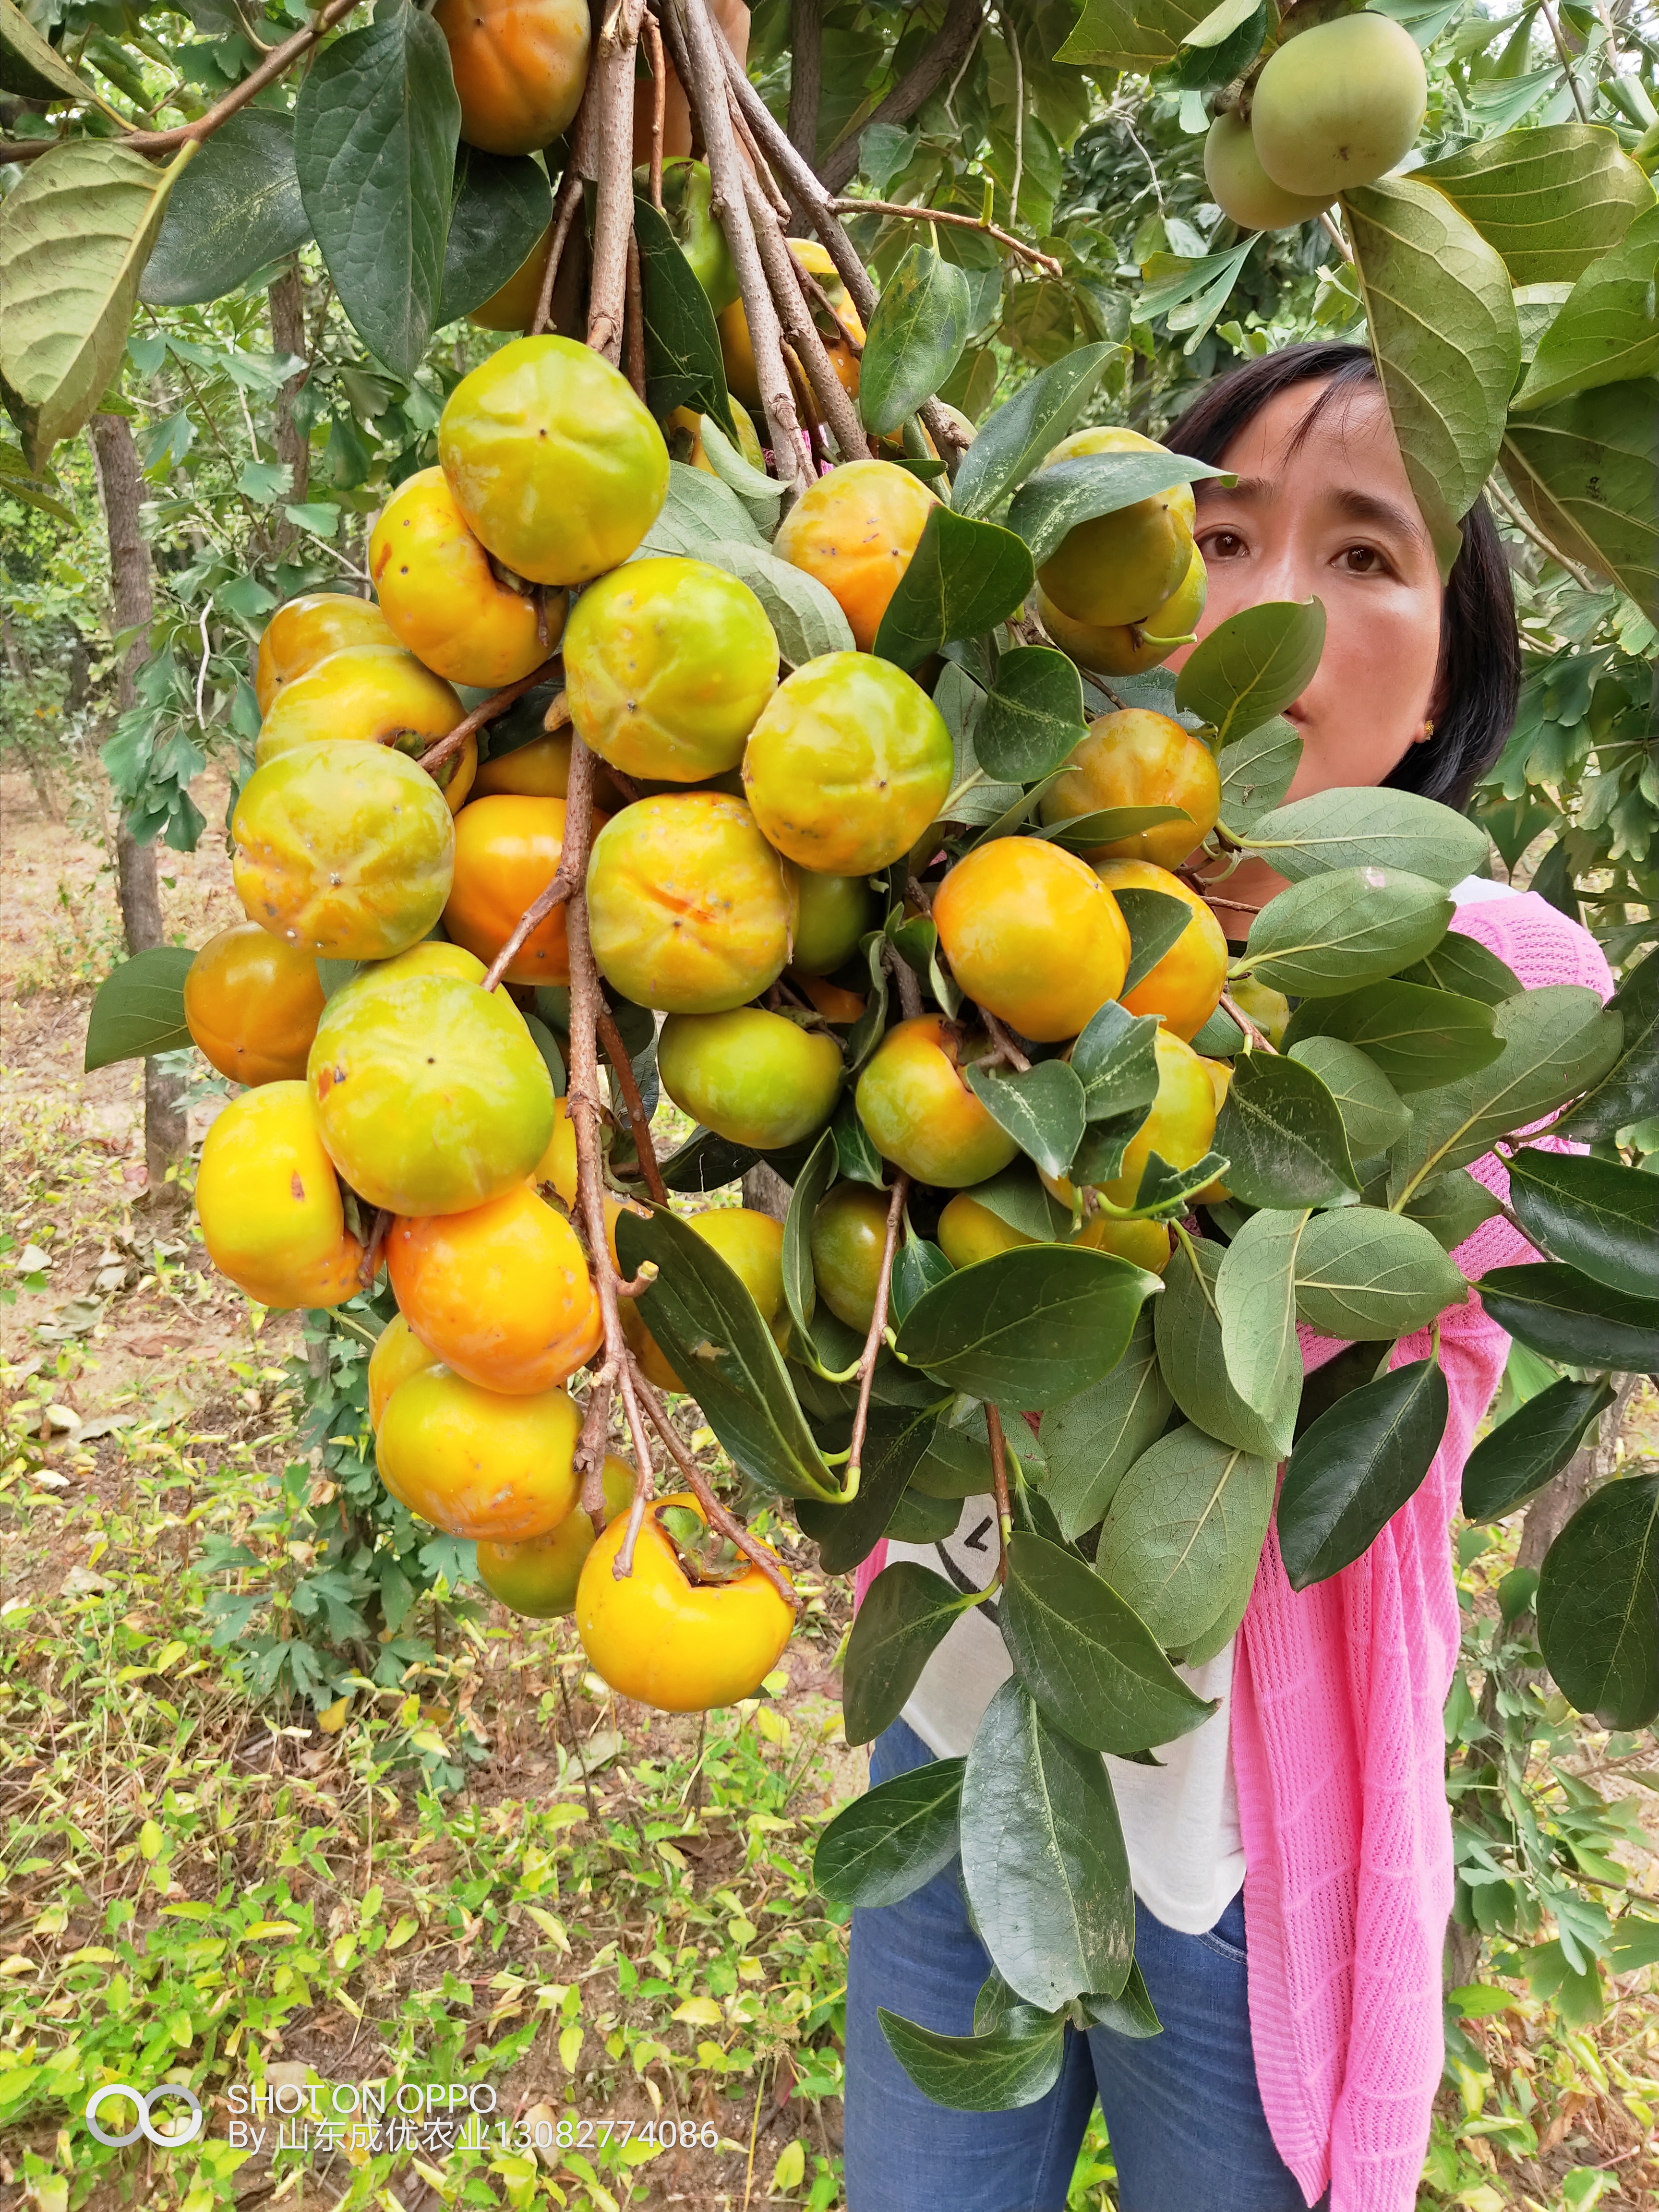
{"x":963,"y":21}
{"x":805,"y":89}
{"x":166,"y":1137}
{"x":288,"y":335}
{"x":765,"y":1191}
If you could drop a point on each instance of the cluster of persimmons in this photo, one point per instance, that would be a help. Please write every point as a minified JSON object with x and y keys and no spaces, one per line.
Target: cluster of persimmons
{"x":746,"y":812}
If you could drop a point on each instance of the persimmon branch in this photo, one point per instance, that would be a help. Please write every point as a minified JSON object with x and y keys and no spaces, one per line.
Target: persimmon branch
{"x":636,"y":321}
{"x":447,"y":746}
{"x":1258,"y":1036}
{"x":567,"y":876}
{"x":613,"y":211}
{"x":720,"y":1515}
{"x":370,"y":1266}
{"x":659,"y":103}
{"x":957,"y":220}
{"x":617,"y":1053}
{"x":570,"y":199}
{"x":796,"y":318}
{"x":1006,"y":1049}
{"x":873,"y":1342}
{"x":999,"y":1481}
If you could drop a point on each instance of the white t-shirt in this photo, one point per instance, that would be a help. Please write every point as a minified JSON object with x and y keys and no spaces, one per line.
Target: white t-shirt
{"x":1180,"y":1819}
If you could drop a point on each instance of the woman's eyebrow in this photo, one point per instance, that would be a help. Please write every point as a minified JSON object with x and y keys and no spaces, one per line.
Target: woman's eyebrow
{"x":1246,"y":490}
{"x":1387,"y":513}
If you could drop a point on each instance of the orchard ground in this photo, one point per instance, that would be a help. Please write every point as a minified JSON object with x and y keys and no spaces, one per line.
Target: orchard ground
{"x":611,"y":1919}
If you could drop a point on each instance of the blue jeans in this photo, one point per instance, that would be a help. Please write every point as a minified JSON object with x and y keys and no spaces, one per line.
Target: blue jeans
{"x":1183,"y":2108}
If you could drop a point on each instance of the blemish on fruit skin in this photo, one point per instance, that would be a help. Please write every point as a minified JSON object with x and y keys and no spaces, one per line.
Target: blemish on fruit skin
{"x":297,"y":1187}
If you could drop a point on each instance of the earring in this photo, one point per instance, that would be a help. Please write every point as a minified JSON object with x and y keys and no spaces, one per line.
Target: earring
{"x":1428,"y":730}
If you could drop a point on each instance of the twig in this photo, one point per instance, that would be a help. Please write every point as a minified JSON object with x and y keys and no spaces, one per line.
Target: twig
{"x":1518,"y":516}
{"x":904,"y":977}
{"x":369,"y":1266}
{"x":1007,"y":1049}
{"x":775,"y":199}
{"x":435,"y":756}
{"x":659,"y":103}
{"x":1046,"y":261}
{"x":818,"y":297}
{"x":275,"y":64}
{"x":617,"y":1053}
{"x":570,"y":199}
{"x":1258,"y":1037}
{"x":613,"y":209}
{"x":1013,"y":35}
{"x":636,"y":321}
{"x":877,"y":1329}
{"x":1334,"y":232}
{"x":567,"y":876}
{"x":999,"y":1479}
{"x":718,"y":1515}
{"x":1578,"y":100}
{"x":802,"y":331}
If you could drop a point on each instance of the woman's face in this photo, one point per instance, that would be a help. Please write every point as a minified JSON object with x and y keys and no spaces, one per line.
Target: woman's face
{"x":1333,"y":517}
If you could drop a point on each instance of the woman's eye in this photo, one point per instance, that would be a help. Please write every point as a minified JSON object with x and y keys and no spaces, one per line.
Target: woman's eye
{"x":1221,"y":545}
{"x":1362,"y":560}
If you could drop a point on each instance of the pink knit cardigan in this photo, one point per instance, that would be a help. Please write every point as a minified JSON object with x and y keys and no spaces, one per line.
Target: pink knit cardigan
{"x":1338,"y":1751}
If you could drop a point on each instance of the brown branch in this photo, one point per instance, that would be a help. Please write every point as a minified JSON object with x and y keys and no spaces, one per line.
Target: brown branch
{"x":720,"y":1517}
{"x":818,"y":297}
{"x":276,"y":64}
{"x":1257,"y":1036}
{"x":640,"y":1121}
{"x":436,"y":755}
{"x":567,"y":876}
{"x":570,"y":199}
{"x":611,"y":88}
{"x":769,"y":184}
{"x":961,"y":26}
{"x":1046,"y":261}
{"x":802,"y":331}
{"x":904,"y":977}
{"x":635,"y":322}
{"x":659,"y":104}
{"x":999,"y":1480}
{"x":877,"y":1330}
{"x":1007,"y":1049}
{"x":369,"y":1266}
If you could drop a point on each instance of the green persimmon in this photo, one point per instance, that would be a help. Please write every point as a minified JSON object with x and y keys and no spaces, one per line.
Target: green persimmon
{"x":755,"y":1078}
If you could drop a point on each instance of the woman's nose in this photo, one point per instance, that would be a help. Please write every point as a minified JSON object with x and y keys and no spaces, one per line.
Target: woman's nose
{"x":1284,"y":569}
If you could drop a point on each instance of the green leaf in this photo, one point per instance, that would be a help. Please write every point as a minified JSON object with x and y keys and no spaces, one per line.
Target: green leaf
{"x":806,"y":619}
{"x":1600,"y":1217}
{"x":904,"y":1616}
{"x":1116,"y":1059}
{"x":1336,"y":933}
{"x":1370,"y":1277}
{"x":1598,"y":1604}
{"x":1033,"y":718}
{"x":1462,"y":965}
{"x":1193,"y":293}
{"x":1157,"y":920}
{"x":1451,"y":1207}
{"x":374,"y":136}
{"x":1356,"y":1467}
{"x":898,"y":1835}
{"x":1418,"y":1036}
{"x":1626,"y":1092}
{"x":1446,"y":339}
{"x":1009,"y":2066}
{"x":1257,"y":771}
{"x":1255,"y":1297}
{"x":917,"y":332}
{"x":1221,"y":23}
{"x":1078,"y":833}
{"x":1187,"y":1523}
{"x":1552,"y":202}
{"x":1555,"y":1043}
{"x":140,"y":1008}
{"x":1607,"y":330}
{"x":1040,"y":1108}
{"x":75,"y":235}
{"x":1252,"y":665}
{"x":16,"y":482}
{"x":1282,"y":1133}
{"x":1042,"y":1856}
{"x":1587,"y":471}
{"x":1030,"y":1328}
{"x":1130,"y":35}
{"x":1056,"y":500}
{"x":1166,"y":1190}
{"x":1374,"y":1115}
{"x":958,"y":1461}
{"x":32,"y":66}
{"x":894,"y":1443}
{"x":1530,"y":1449}
{"x":704,"y":1162}
{"x":1357,"y":829}
{"x":1571,"y":1317}
{"x":1093,"y":1439}
{"x":1093,"y":1665}
{"x":760,"y":494}
{"x":699,"y":513}
{"x":700,"y":1312}
{"x":1130,"y":2014}
{"x":683,"y":365}
{"x":1188,"y":1345}
{"x":799,"y":1284}
{"x":501,"y":205}
{"x":236,"y":211}
{"x":1015,"y":437}
{"x":1016,"y":1197}
{"x":963,"y":579}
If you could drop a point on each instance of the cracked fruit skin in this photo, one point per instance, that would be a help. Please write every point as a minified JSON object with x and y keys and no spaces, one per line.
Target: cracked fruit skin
{"x":430,"y":1092}
{"x":969,"y":1232}
{"x":849,"y":1236}
{"x":440,"y":593}
{"x":476,"y":1463}
{"x":1136,"y":757}
{"x":856,"y":530}
{"x":538,"y":1577}
{"x":520,"y":69}
{"x":343,"y":849}
{"x":681,"y":1646}
{"x":1184,"y":988}
{"x":834,"y":913}
{"x":555,"y":464}
{"x":1033,"y":936}
{"x":690,"y":909}
{"x":755,"y":1078}
{"x":848,"y":764}
{"x":377,"y":694}
{"x":506,"y":853}
{"x":918,"y":1111}
{"x":272,"y":1213}
{"x":1338,"y":105}
{"x":252,"y":1003}
{"x":1241,"y":188}
{"x":751,"y":1245}
{"x":1118,"y":568}
{"x":1179,"y":1128}
{"x":1132,"y":648}
{"x":398,"y":1354}
{"x":502,"y":1293}
{"x":307,"y":631}
{"x":667,"y":664}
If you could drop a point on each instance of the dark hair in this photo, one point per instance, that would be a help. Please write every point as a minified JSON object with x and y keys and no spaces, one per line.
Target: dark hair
{"x":1478,"y":679}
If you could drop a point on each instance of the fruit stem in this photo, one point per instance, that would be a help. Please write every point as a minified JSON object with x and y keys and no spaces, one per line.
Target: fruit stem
{"x":617,"y":1053}
{"x":1046,"y":261}
{"x":377,"y":1235}
{"x":1006,"y":1049}
{"x":436,"y":756}
{"x":878,"y":1331}
{"x":1000,"y":1478}
{"x":1258,"y":1037}
{"x":718,"y":1515}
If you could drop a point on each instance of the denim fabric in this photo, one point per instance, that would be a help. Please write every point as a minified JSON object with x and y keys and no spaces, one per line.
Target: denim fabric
{"x":1183,"y":2108}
